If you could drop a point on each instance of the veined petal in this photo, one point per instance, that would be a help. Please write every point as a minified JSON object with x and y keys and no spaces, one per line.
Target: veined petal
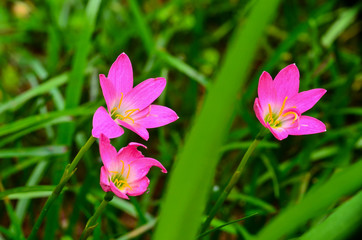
{"x":119,"y":193}
{"x":306,"y":100}
{"x":286,"y":83}
{"x":121,"y":75}
{"x":104,"y":124}
{"x":144,"y":94}
{"x":109,"y":91}
{"x":140,"y":130}
{"x":156,"y":116}
{"x":139,"y":187}
{"x":266,"y":91}
{"x":130,"y":153}
{"x":104,"y":182}
{"x":307,"y":125}
{"x":141,"y":166}
{"x":107,"y":151}
{"x":259,"y":112}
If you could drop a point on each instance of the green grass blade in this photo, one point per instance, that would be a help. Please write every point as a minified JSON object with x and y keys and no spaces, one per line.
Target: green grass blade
{"x":316,"y":202}
{"x":20,"y":192}
{"x":185,"y":199}
{"x":346,"y":18}
{"x":32,"y":151}
{"x":341,"y":223}
{"x":143,"y":29}
{"x":224,"y":225}
{"x":41,"y":89}
{"x":183,"y":67}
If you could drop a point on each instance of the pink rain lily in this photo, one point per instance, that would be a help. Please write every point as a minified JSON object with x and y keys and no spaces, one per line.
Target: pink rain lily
{"x":124,"y":173}
{"x":127,"y":106}
{"x":280,"y":107}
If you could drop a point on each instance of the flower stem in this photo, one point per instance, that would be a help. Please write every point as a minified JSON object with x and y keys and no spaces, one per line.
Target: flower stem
{"x":233,"y":179}
{"x":91,"y":224}
{"x":67,"y":174}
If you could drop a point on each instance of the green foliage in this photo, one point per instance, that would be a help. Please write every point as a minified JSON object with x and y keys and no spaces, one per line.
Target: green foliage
{"x":212,"y":54}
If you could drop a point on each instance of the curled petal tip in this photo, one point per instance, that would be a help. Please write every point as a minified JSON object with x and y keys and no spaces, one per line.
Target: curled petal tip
{"x":137,"y":145}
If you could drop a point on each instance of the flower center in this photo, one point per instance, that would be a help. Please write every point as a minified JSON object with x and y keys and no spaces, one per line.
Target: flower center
{"x":118,"y":177}
{"x":116,"y":112}
{"x":274,"y":119}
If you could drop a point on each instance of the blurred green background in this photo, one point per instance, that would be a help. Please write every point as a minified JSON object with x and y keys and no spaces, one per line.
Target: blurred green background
{"x":51,"y":53}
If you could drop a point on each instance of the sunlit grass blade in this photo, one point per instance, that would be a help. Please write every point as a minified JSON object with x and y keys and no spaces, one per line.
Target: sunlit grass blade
{"x":183,"y":67}
{"x":32,"y":151}
{"x":315,"y":203}
{"x":346,"y":18}
{"x":25,"y":192}
{"x":185,"y":200}
{"x":38,"y":119}
{"x":41,"y":89}
{"x":343,"y":222}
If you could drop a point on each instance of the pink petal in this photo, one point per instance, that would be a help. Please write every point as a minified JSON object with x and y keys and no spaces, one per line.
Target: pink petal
{"x":119,"y":193}
{"x":109,"y":92}
{"x":286,"y":83}
{"x":140,"y":130}
{"x":308,"y":125}
{"x":266,"y":91}
{"x":156,"y":116}
{"x":107,"y":151}
{"x":104,"y":180}
{"x":121,"y":75}
{"x":104,"y":124}
{"x":130,"y":153}
{"x":139,"y":187}
{"x":141,"y":167}
{"x":258,"y":112}
{"x":279,"y":133}
{"x":306,"y":100}
{"x":144,"y":94}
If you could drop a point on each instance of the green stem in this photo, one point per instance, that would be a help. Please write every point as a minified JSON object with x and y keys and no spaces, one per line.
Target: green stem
{"x":68,"y":172}
{"x":91,"y":224}
{"x":233,"y":179}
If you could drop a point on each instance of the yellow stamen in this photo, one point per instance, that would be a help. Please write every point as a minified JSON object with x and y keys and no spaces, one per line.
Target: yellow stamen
{"x":113,"y":172}
{"x":122,"y":167}
{"x":120,"y":102}
{"x":129,"y":170}
{"x":293,"y":113}
{"x":118,"y":182}
{"x":270,"y":114}
{"x":129,"y":112}
{"x":281,"y":110}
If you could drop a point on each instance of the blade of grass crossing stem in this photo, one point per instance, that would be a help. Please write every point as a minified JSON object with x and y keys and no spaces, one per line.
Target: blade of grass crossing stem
{"x":341,"y":223}
{"x":73,"y":96}
{"x":223,"y":225}
{"x":185,"y":200}
{"x":315,"y":203}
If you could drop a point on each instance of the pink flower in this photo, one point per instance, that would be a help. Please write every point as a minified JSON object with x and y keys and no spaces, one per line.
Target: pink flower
{"x":127,"y":106}
{"x":280,"y":107}
{"x":124,"y":173}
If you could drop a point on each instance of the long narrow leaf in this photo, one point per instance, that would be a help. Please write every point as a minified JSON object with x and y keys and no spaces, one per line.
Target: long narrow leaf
{"x":191,"y":178}
{"x":315,"y":203}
